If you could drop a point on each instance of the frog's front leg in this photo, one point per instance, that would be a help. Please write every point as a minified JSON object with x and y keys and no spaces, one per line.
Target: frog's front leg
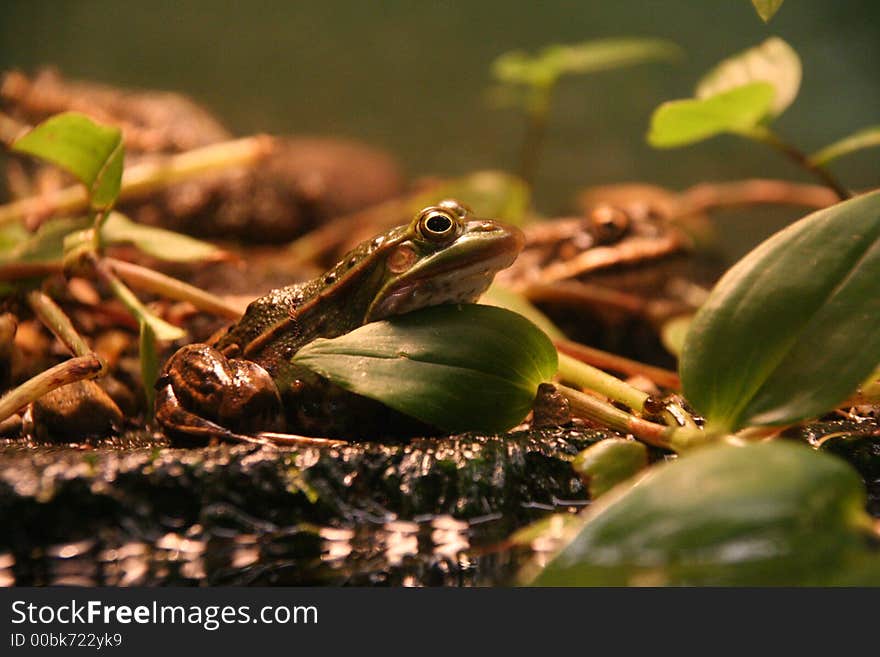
{"x":202,"y":395}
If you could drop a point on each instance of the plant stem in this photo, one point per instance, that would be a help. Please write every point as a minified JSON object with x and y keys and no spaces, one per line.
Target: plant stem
{"x":658,"y":435}
{"x":16,"y":271}
{"x":152,"y":281}
{"x":57,"y":321}
{"x":536,"y":128}
{"x":586,"y":376}
{"x":162,"y":329}
{"x":606,"y":360}
{"x":800,"y":158}
{"x":70,"y":371}
{"x":147,"y":177}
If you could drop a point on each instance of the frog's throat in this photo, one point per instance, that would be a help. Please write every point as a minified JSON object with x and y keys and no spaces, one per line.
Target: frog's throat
{"x":451,"y":281}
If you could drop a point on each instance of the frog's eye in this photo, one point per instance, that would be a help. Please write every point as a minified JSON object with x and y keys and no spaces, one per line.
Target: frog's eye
{"x":608,"y":223}
{"x":437,"y":225}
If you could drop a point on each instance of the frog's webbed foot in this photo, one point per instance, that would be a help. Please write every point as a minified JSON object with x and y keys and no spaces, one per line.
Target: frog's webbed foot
{"x":203,"y":395}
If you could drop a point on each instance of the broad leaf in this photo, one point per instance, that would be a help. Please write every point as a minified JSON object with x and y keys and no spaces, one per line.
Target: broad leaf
{"x":156,"y":242}
{"x":855,"y":142}
{"x":681,"y":122}
{"x":765,"y":514}
{"x":469,"y":367}
{"x":767,"y":8}
{"x":90,"y":152}
{"x":791,"y":329}
{"x":554,"y":61}
{"x":609,"y":462}
{"x":774,"y":62}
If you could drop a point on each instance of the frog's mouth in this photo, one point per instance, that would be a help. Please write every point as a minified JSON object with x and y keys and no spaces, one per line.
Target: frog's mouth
{"x":458,"y":274}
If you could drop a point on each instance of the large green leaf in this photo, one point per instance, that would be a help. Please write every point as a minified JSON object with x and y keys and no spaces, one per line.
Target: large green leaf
{"x":765,"y":514}
{"x":547,"y":66}
{"x":90,"y":152}
{"x":468,"y":367}
{"x":791,"y":330}
{"x":681,"y":122}
{"x":773,"y":61}
{"x":157,"y":242}
{"x":865,"y":138}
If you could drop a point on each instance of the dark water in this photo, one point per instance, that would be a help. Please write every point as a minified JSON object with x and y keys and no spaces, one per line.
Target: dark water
{"x":242,"y":551}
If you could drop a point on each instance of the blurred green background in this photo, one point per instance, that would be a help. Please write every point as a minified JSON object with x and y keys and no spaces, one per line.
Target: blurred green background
{"x":411,"y":77}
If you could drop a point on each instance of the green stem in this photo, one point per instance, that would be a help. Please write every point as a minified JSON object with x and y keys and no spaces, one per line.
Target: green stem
{"x":147,"y":177}
{"x":162,"y":329}
{"x":586,"y":376}
{"x":536,"y":128}
{"x":601,"y":412}
{"x":767,"y":136}
{"x":152,"y":281}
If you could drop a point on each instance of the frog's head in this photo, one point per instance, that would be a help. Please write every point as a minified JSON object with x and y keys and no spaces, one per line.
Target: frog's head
{"x":446,"y":255}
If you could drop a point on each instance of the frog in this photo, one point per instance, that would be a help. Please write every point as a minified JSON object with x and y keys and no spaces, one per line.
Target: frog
{"x":244,"y":382}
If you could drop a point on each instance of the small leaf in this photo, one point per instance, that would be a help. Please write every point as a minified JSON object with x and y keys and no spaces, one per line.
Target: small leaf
{"x":673,"y":333}
{"x":546,"y":67}
{"x":791,"y":329}
{"x":149,"y":362}
{"x":609,"y":462}
{"x":156,"y":242}
{"x":857,"y":141}
{"x":767,"y":8}
{"x":773,"y":61}
{"x":764,"y":514}
{"x":47,"y":244}
{"x":469,"y":367}
{"x":161,"y":329}
{"x":11,"y":236}
{"x":90,"y":152}
{"x":682,"y":122}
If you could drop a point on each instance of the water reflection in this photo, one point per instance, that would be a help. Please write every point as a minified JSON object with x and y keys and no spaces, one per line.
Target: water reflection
{"x":231,"y":548}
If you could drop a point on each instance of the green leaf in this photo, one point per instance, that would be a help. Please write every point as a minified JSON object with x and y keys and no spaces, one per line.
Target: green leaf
{"x":791,"y":329}
{"x":156,"y":242}
{"x":682,"y":122}
{"x":773,"y":61}
{"x":149,"y":362}
{"x":766,"y":8}
{"x":543,"y":69}
{"x":857,"y":141}
{"x":160,"y":329}
{"x":11,"y":236}
{"x":673,"y":333}
{"x":469,"y":367}
{"x":609,"y":462}
{"x":46,"y":244}
{"x":766,"y":514}
{"x":90,"y":152}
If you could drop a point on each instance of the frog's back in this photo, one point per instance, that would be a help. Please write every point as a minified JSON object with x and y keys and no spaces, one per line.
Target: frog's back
{"x":263,"y":314}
